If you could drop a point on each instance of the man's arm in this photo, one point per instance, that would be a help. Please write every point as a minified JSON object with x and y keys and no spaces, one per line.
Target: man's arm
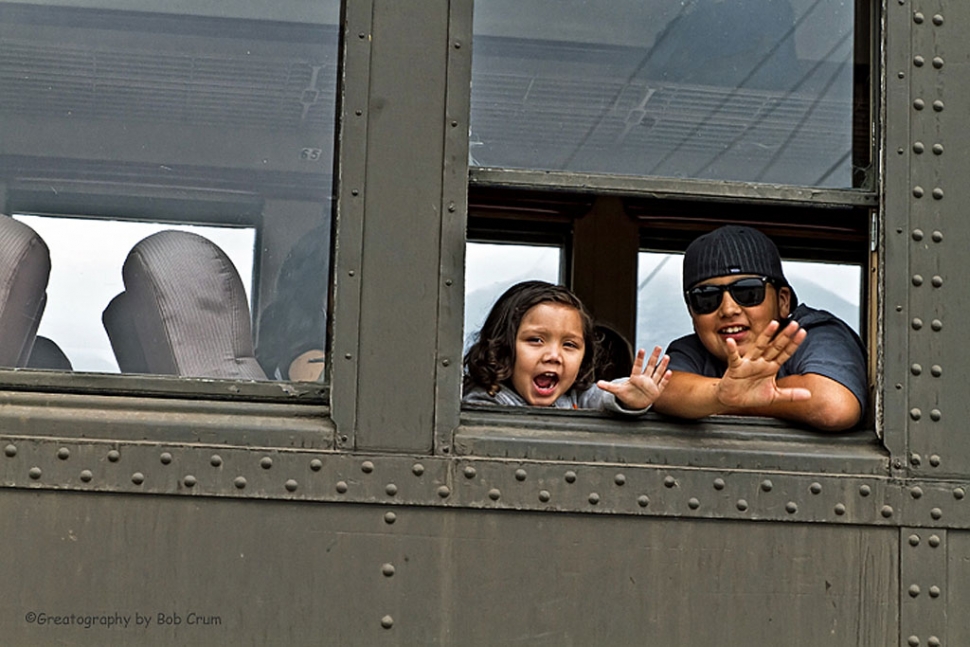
{"x":832,"y":406}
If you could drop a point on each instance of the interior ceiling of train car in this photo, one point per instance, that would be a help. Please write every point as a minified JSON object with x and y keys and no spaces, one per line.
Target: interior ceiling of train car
{"x":634,"y":89}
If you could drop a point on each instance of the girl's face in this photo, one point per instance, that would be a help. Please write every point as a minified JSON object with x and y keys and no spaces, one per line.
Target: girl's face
{"x":549,"y":350}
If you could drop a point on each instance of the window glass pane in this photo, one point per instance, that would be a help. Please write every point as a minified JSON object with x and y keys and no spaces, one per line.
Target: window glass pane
{"x":747,"y":90}
{"x":491,"y":269}
{"x":121,"y":119}
{"x":662,"y":315}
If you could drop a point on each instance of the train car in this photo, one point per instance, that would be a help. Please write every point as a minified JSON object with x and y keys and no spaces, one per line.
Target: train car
{"x":246,"y":244}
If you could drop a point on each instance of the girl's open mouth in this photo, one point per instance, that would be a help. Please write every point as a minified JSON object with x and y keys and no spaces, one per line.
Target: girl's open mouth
{"x":545,"y":383}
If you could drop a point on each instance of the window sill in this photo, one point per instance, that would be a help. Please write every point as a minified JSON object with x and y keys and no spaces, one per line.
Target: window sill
{"x":719,"y":442}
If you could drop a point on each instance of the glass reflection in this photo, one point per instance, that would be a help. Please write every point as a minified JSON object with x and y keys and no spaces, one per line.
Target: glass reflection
{"x":747,"y":90}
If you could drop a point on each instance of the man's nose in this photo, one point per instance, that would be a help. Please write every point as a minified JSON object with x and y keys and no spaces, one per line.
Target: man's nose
{"x":729,"y":306}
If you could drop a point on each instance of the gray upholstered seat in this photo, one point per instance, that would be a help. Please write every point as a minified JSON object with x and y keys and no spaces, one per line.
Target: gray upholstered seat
{"x":183,"y":312}
{"x":25,"y":267}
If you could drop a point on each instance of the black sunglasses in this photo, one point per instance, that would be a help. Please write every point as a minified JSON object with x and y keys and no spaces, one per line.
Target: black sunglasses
{"x":705,"y":299}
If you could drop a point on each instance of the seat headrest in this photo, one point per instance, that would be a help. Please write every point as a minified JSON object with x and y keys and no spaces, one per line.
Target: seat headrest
{"x":186,"y":308}
{"x":25,"y":267}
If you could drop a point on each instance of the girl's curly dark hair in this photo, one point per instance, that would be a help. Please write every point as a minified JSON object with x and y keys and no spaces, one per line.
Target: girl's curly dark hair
{"x":489,"y":362}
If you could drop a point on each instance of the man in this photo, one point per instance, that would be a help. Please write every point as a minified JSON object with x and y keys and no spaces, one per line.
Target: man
{"x":755,"y":350}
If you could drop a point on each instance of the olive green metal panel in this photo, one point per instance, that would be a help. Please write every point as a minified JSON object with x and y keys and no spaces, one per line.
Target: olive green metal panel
{"x":390,"y":306}
{"x":201,"y":571}
{"x":927,"y":367}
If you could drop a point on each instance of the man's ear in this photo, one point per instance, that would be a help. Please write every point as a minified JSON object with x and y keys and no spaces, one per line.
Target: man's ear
{"x":784,"y":303}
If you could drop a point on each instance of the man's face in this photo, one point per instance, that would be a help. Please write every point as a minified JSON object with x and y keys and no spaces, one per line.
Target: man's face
{"x":742,"y":324}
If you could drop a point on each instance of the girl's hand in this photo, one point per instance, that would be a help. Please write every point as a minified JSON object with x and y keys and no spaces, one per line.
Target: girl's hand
{"x":644,"y":385}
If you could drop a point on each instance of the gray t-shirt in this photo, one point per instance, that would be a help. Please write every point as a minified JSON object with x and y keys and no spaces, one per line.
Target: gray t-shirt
{"x":831,"y":349}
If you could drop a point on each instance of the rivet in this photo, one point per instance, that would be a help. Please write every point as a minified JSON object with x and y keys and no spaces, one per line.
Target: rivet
{"x":917,"y":323}
{"x":918,"y":61}
{"x":898,"y":463}
{"x":291,"y":485}
{"x":63,"y":453}
{"x":915,"y":460}
{"x":936,"y":325}
{"x":389,"y":518}
{"x":445,"y":449}
{"x":316,"y":465}
{"x":86,"y":476}
{"x":544,"y":496}
{"x":417,"y":469}
{"x":937,"y":19}
{"x":937,"y":149}
{"x":742,"y":505}
{"x":919,"y":104}
{"x":669,"y":481}
{"x":10,"y":451}
{"x":494,"y":494}
{"x":520,"y":474}
{"x":469,"y":472}
{"x":937,"y":514}
{"x":387,"y":570}
{"x":918,"y":18}
{"x":915,"y":413}
{"x":594,"y":498}
{"x":693,"y":503}
{"x":933,"y":642}
{"x":913,"y":591}
{"x":570,"y":476}
{"x":239,"y":482}
{"x":766,"y":485}
{"x":451,"y":207}
{"x":137,"y":478}
{"x":444,"y":492}
{"x":446,"y":362}
{"x":643,"y":500}
{"x":449,"y":282}
{"x":917,"y":191}
{"x":917,"y":234}
{"x":457,"y":44}
{"x":387,"y":622}
{"x":215,"y":460}
{"x":620,"y":479}
{"x":917,"y":280}
{"x":454,"y":123}
{"x":341,"y":487}
{"x":934,"y":591}
{"x":934,"y":460}
{"x":815,"y":488}
{"x":114,"y":456}
{"x":367,"y":467}
{"x":886,"y":511}
{"x":938,"y":107}
{"x":718,"y":484}
{"x":189,"y":480}
{"x":353,"y":192}
{"x":358,"y":112}
{"x":913,"y":640}
{"x":937,"y":281}
{"x":934,"y":541}
{"x":935,"y":415}
{"x":899,"y":308}
{"x":914,"y":540}
{"x":959,"y":493}
{"x":390,"y":489}
{"x":361,"y":35}
{"x":938,"y":193}
{"x":348,"y":356}
{"x":937,"y":236}
{"x":791,"y":507}
{"x":916,"y":369}
{"x":839,"y":509}
{"x":916,"y":492}
{"x":266,"y":462}
{"x":899,"y":386}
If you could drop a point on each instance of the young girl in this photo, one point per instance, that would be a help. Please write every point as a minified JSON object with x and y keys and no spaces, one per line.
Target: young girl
{"x":537,"y":349}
